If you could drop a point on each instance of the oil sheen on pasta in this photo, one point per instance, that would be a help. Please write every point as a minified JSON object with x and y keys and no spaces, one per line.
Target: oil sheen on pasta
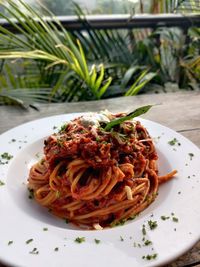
{"x":96,"y":178}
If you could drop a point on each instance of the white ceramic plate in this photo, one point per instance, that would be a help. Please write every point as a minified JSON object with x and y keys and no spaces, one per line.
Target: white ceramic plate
{"x":21,"y":219}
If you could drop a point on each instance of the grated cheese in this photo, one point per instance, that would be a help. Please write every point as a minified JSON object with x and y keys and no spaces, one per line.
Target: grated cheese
{"x":128,"y":192}
{"x":97,"y":226}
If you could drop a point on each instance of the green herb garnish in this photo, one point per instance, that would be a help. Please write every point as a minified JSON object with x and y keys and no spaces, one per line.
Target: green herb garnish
{"x":147,"y":242}
{"x":63,"y":128}
{"x":152,"y":224}
{"x":174,"y":219}
{"x":97,"y":241}
{"x":121,"y":238}
{"x":31,"y":193}
{"x":173,"y":142}
{"x":163,"y":217}
{"x":7,"y":156}
{"x":10,"y":242}
{"x":143,"y":230}
{"x":1,"y":183}
{"x":191,"y":155}
{"x":150,"y":257}
{"x":135,"y":113}
{"x":79,"y":240}
{"x":56,"y":249}
{"x":34,"y":251}
{"x":121,"y":222}
{"x":45,"y":229}
{"x":29,"y":240}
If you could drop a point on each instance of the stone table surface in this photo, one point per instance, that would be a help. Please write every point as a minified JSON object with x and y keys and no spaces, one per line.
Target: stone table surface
{"x":179,"y":111}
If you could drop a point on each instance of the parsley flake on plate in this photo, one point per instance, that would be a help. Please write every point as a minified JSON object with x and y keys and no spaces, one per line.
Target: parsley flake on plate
{"x":152,"y":224}
{"x":150,"y":257}
{"x":191,"y":155}
{"x":29,"y":241}
{"x":79,"y":240}
{"x":2,"y":183}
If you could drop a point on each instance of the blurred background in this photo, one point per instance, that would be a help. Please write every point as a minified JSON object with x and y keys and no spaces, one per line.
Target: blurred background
{"x":97,"y":49}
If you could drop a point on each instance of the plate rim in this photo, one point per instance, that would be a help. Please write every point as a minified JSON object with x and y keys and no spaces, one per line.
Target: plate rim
{"x":74,"y":114}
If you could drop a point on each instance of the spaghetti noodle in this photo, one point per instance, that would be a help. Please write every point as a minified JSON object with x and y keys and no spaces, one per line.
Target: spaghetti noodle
{"x":96,"y":178}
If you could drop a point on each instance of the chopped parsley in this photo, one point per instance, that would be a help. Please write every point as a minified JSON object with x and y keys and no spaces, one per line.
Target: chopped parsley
{"x":152,"y":224}
{"x":56,"y":249}
{"x":10,"y":242}
{"x":31,"y":193}
{"x":104,"y":143}
{"x":132,"y":217}
{"x":97,"y":241}
{"x":150,"y":257}
{"x":29,"y":241}
{"x":144,"y":232}
{"x":34,"y":251}
{"x":97,"y":139}
{"x":7,"y":156}
{"x":12,"y":141}
{"x":191,"y":155}
{"x":174,"y":219}
{"x":173,"y":142}
{"x":2,"y":183}
{"x":121,"y":238}
{"x":121,"y":222}
{"x":147,"y":242}
{"x":79,"y":240}
{"x":63,"y":128}
{"x":163,"y":217}
{"x":45,"y":229}
{"x":137,"y":245}
{"x":60,"y":142}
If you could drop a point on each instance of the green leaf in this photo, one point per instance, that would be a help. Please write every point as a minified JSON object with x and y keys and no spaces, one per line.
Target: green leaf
{"x":93,"y":76}
{"x":142,"y":80}
{"x":135,"y":113}
{"x":100,"y":78}
{"x":104,"y":87}
{"x":128,"y":75}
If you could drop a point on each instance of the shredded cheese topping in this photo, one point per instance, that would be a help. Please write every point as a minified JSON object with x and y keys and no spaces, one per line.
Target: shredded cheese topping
{"x":128,"y":192}
{"x":97,"y":226}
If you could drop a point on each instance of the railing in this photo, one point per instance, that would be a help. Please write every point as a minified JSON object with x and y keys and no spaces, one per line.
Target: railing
{"x":72,"y":23}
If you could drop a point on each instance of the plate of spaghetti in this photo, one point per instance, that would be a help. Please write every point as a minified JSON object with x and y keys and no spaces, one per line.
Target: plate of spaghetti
{"x":97,"y":189}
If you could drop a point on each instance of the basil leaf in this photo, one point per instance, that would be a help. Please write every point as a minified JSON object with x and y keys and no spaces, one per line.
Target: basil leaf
{"x":135,"y":113}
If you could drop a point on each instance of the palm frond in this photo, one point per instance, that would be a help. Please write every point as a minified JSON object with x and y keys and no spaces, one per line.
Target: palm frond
{"x":46,"y":41}
{"x":24,"y":97}
{"x":175,"y":6}
{"x":140,"y":82}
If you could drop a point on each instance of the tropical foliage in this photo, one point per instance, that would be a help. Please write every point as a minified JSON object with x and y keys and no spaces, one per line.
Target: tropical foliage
{"x":44,"y":62}
{"x":65,"y":7}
